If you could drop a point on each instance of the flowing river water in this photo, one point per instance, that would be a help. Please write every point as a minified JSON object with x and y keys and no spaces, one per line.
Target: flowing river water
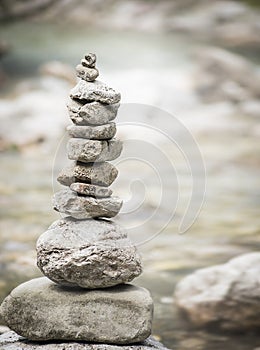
{"x":155,"y":70}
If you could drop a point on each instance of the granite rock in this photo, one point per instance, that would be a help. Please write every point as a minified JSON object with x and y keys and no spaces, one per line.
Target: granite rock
{"x":91,"y":190}
{"x":88,"y":74}
{"x":87,"y":253}
{"x":92,"y":113}
{"x":226,"y":296}
{"x":102,"y":174}
{"x":93,"y":150}
{"x":100,"y":132}
{"x":85,"y":207}
{"x":40,"y":310}
{"x":95,"y":91}
{"x":12,"y":341}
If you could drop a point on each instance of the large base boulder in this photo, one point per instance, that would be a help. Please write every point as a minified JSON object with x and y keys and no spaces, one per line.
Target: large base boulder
{"x":41,"y":310}
{"x":225,"y":295}
{"x":12,"y":341}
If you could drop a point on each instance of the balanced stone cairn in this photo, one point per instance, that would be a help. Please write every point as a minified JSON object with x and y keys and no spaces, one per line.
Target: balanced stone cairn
{"x":87,"y":259}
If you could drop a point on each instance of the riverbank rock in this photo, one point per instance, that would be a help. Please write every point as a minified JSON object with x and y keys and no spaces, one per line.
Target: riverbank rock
{"x":87,"y":253}
{"x":85,"y":207}
{"x":223,"y":75}
{"x":12,"y":341}
{"x":41,"y":310}
{"x":225,"y":295}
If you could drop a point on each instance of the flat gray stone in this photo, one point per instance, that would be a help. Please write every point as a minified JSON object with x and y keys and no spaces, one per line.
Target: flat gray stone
{"x":102,"y":174}
{"x":87,"y":253}
{"x":95,"y":91}
{"x":91,"y":190}
{"x":92,"y":113}
{"x":84,"y":207}
{"x":12,"y":341}
{"x":100,"y":132}
{"x":40,"y":310}
{"x":93,"y":150}
{"x":226,"y":296}
{"x":86,"y":73}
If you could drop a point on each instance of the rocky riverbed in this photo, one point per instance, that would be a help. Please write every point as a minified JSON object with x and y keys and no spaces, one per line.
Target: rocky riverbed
{"x":158,"y":70}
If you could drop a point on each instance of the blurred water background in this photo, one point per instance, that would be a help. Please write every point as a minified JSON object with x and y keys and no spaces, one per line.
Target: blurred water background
{"x":198,"y":61}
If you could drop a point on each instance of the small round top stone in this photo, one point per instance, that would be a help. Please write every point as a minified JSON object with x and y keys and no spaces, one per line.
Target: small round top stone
{"x":89,"y":60}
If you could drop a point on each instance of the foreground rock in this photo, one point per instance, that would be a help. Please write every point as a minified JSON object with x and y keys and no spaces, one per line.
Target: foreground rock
{"x":87,"y":253}
{"x":224,"y":295}
{"x":85,"y":207}
{"x":41,"y":310}
{"x":102,"y":174}
{"x":12,"y":341}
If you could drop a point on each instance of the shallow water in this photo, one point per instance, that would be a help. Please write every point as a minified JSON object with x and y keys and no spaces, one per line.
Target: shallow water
{"x":150,"y":69}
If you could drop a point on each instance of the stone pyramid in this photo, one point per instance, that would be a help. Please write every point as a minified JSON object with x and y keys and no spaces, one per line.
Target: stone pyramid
{"x":87,"y":259}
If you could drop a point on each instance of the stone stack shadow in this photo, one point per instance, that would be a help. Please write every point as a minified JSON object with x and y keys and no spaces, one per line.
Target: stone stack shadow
{"x":87,"y":259}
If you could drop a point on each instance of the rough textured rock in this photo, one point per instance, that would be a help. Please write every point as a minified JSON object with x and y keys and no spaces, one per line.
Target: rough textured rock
{"x":224,"y":295}
{"x":88,"y":74}
{"x":95,"y":91}
{"x":100,"y":132}
{"x":83,"y":207}
{"x":93,"y":150}
{"x":41,"y":310}
{"x":89,"y":60}
{"x":102,"y":174}
{"x":87,"y":253}
{"x":12,"y":341}
{"x":91,"y":190}
{"x":93,"y":113}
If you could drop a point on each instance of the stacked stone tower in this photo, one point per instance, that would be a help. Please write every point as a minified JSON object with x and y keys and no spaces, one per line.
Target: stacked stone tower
{"x":86,"y":258}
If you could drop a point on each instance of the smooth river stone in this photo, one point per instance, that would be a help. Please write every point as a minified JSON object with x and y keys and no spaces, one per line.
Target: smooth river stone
{"x":102,"y":174}
{"x":13,"y":341}
{"x":224,"y":296}
{"x":86,"y":73}
{"x":95,"y":91}
{"x":84,"y":207}
{"x":91,"y":190}
{"x":93,"y":113}
{"x":40,"y":310}
{"x":93,"y":150}
{"x":87,"y":253}
{"x":100,"y":132}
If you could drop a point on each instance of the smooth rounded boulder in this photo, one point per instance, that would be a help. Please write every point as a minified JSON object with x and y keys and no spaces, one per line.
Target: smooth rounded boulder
{"x":41,"y":310}
{"x":226,"y":296}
